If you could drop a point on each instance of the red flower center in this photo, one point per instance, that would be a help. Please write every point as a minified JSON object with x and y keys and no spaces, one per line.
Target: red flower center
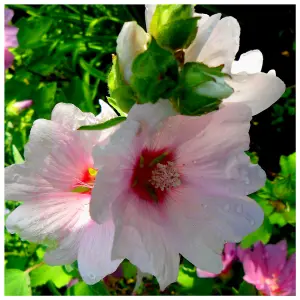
{"x":154,"y":174}
{"x":86,"y":183}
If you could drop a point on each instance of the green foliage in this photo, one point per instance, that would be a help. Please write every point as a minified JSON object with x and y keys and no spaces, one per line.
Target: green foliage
{"x":45,"y":273}
{"x":129,"y":270}
{"x":154,"y":74}
{"x":105,"y":125}
{"x":173,"y":26}
{"x":200,"y":89}
{"x":247,"y":289}
{"x":17,"y":283}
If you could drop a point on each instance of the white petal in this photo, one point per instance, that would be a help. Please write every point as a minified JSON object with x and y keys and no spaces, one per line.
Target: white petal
{"x":143,"y":241}
{"x":259,"y":91}
{"x":107,"y":112}
{"x":58,"y":218}
{"x":132,"y":40}
{"x":22,"y":183}
{"x":213,"y":145}
{"x":222,"y":45}
{"x":272,"y":72}
{"x":149,"y":11}
{"x":71,"y":117}
{"x":205,"y":27}
{"x":94,"y":257}
{"x":151,"y":114}
{"x":250,"y":62}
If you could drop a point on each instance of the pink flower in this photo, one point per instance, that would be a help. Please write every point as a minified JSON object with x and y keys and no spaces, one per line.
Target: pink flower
{"x":21,"y":105}
{"x":55,"y":184}
{"x":10,"y":41}
{"x":228,"y":256}
{"x":177,"y":184}
{"x":268,"y":268}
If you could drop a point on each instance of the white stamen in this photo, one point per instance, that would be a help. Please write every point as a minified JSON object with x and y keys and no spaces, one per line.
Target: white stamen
{"x":165,"y":176}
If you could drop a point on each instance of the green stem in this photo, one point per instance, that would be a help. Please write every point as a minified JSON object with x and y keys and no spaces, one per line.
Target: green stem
{"x":34,"y":267}
{"x":53,"y":288}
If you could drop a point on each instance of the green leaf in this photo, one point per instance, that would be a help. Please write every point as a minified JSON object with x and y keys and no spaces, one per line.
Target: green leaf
{"x":79,"y":289}
{"x":247,"y":289}
{"x":124,"y":97}
{"x":288,"y":164}
{"x":45,"y":273}
{"x":90,"y":69}
{"x":113,"y":103}
{"x":154,"y":74}
{"x":186,"y":277}
{"x":202,"y":286}
{"x":17,"y":283}
{"x":31,"y":31}
{"x":129,"y":270}
{"x":173,"y":26}
{"x":286,"y":94}
{"x":16,"y":262}
{"x":104,"y":125}
{"x":44,"y":99}
{"x":17,"y":156}
{"x":99,"y":289}
{"x":277,"y":218}
{"x":201,"y":89}
{"x":115,"y":78}
{"x":263,"y":234}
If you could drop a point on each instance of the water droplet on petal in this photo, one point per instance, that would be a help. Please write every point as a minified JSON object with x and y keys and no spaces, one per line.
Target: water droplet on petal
{"x":252,"y":222}
{"x":92,"y":276}
{"x":239,"y":209}
{"x":204,"y":205}
{"x":194,"y":161}
{"x":16,"y":177}
{"x":246,"y":179}
{"x":227,"y":207}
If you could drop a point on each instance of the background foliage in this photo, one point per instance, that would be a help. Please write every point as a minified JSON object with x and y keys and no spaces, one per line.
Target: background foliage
{"x":64,"y":55}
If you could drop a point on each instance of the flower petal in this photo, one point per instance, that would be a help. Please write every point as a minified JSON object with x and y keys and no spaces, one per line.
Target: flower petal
{"x":9,"y":58}
{"x":107,"y":112}
{"x":8,"y":15}
{"x":143,"y":241}
{"x":250,"y":62}
{"x":205,"y":27}
{"x":10,"y":34}
{"x":149,"y":11}
{"x":132,"y":40}
{"x":94,"y":257}
{"x":222,"y":44}
{"x":259,"y":91}
{"x":276,"y":257}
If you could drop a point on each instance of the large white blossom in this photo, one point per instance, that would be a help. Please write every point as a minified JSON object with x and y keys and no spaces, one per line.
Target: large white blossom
{"x":55,"y":184}
{"x":177,"y":184}
{"x":216,"y":43}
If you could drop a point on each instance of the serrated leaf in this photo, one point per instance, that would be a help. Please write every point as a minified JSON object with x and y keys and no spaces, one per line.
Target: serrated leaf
{"x":17,"y":283}
{"x":45,"y":273}
{"x":104,"y":125}
{"x":17,"y":155}
{"x":154,"y":74}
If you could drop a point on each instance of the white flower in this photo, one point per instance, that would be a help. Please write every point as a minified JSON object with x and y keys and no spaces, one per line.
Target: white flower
{"x":177,"y":184}
{"x":55,"y":183}
{"x":217,"y":43}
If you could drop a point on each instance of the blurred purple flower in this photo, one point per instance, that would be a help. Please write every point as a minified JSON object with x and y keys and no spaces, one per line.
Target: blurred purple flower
{"x":21,"y":105}
{"x":268,"y":268}
{"x":10,"y":41}
{"x":72,"y":282}
{"x":229,"y":254}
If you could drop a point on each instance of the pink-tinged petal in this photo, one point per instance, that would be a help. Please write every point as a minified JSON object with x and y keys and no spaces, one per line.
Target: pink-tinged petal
{"x":258,"y":91}
{"x":213,"y":145}
{"x":276,"y":257}
{"x":9,"y":58}
{"x":143,"y":241}
{"x":288,"y":273}
{"x":71,"y":117}
{"x":229,"y":254}
{"x":10,"y":34}
{"x":151,"y":115}
{"x":250,"y":62}
{"x":8,"y":15}
{"x":55,"y":218}
{"x":250,"y":270}
{"x":203,"y":274}
{"x":259,"y":258}
{"x":94,"y":256}
{"x":23,"y":184}
{"x":222,"y":45}
{"x":132,"y":41}
{"x":206,"y":26}
{"x":149,"y":11}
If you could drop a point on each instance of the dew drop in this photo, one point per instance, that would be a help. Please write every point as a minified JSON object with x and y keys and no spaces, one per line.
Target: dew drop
{"x":194,"y":161}
{"x":246,"y":179}
{"x":204,"y":205}
{"x":239,"y":209}
{"x":252,"y":222}
{"x":92,"y":276}
{"x":16,"y":177}
{"x":227,"y":207}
